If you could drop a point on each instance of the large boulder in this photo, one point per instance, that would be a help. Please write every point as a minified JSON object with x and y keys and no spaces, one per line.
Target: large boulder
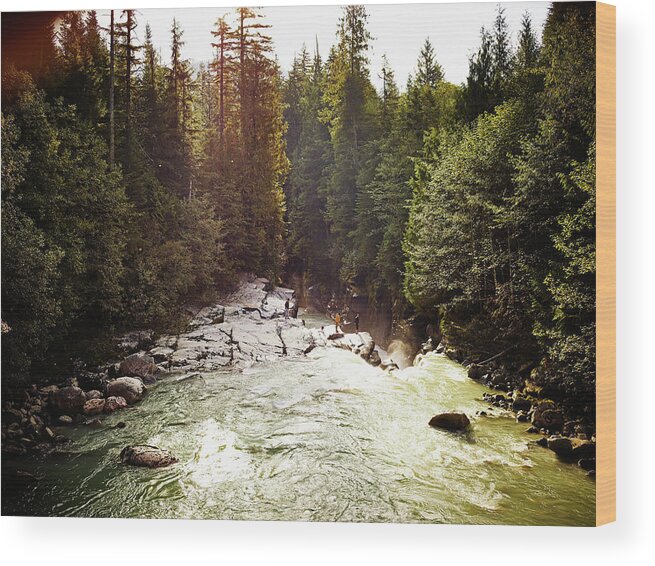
{"x":114,"y":404}
{"x":137,"y":365}
{"x":147,"y":456}
{"x":561,"y":445}
{"x":450,"y":421}
{"x":67,"y":400}
{"x":583,"y":449}
{"x":547,"y":415}
{"x":94,"y":407}
{"x":520,"y":403}
{"x":475,"y":371}
{"x":130,"y":388}
{"x":574,"y":448}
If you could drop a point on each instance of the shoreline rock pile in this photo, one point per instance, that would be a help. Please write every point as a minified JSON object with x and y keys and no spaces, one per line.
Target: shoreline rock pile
{"x":38,"y":423}
{"x":571,"y":441}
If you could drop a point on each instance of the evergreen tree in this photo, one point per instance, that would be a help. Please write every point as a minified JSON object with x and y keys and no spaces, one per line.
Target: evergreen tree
{"x":306,"y":188}
{"x":429,"y":71}
{"x":502,"y":56}
{"x":351,"y":103}
{"x":478,"y":94}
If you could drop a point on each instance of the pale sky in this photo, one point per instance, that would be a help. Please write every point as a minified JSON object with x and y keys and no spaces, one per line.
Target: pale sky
{"x":399,"y":31}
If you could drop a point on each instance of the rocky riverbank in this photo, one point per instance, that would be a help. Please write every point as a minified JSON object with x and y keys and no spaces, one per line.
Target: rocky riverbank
{"x":246,"y":328}
{"x":571,"y":440}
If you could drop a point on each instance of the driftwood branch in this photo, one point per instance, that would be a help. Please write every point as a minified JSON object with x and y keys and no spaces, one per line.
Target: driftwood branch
{"x":496,"y":356}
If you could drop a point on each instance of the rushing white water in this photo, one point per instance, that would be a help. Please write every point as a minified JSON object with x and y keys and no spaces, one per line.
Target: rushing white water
{"x":326,"y":437}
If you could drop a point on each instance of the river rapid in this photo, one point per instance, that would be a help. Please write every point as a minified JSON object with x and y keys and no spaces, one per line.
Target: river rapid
{"x":325,"y":437}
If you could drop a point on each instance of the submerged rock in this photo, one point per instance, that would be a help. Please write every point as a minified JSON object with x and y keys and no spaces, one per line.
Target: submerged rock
{"x":450,"y":421}
{"x":130,"y":388}
{"x":147,"y":456}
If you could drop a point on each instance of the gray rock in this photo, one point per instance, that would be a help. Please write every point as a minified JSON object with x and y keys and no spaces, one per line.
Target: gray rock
{"x":93,"y":394}
{"x":374,"y":359}
{"x":65,"y":420}
{"x":130,"y":388}
{"x":450,"y":421}
{"x":137,"y":365}
{"x":147,"y":456}
{"x":68,"y":400}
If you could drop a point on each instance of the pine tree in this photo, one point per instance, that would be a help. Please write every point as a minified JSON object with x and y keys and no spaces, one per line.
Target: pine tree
{"x":128,"y":51}
{"x":429,"y":71}
{"x":222,"y":66}
{"x":112,"y":79}
{"x":478,"y":95}
{"x":306,"y":187}
{"x":350,"y":114}
{"x":502,"y":56}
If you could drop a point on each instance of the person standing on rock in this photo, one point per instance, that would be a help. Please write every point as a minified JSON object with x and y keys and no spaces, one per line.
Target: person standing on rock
{"x":357,"y":322}
{"x":286,"y":310}
{"x":337,"y":322}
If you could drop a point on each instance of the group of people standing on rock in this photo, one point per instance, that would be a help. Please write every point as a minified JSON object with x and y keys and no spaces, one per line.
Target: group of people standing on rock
{"x":339,"y":316}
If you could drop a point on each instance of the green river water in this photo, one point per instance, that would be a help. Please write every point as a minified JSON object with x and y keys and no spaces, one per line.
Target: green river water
{"x":322,"y":438}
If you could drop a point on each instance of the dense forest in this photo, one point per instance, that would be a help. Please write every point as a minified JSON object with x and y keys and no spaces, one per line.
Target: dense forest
{"x":132,"y":186}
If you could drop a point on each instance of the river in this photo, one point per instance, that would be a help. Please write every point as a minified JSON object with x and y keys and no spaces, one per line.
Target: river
{"x":325,"y":437}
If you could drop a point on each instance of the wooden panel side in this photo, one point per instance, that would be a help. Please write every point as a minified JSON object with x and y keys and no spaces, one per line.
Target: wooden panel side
{"x":605,"y":263}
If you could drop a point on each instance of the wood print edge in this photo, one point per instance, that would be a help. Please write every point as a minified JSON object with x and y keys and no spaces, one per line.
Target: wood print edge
{"x":606,"y":263}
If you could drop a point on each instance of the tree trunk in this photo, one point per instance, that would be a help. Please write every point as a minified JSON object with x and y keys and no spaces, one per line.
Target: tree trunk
{"x":111,"y":90}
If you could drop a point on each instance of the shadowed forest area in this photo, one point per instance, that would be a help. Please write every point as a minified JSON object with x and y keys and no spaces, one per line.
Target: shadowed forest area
{"x":133,"y":186}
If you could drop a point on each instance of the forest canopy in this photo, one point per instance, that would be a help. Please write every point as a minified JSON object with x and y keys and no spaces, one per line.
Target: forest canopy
{"x":133,"y":186}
